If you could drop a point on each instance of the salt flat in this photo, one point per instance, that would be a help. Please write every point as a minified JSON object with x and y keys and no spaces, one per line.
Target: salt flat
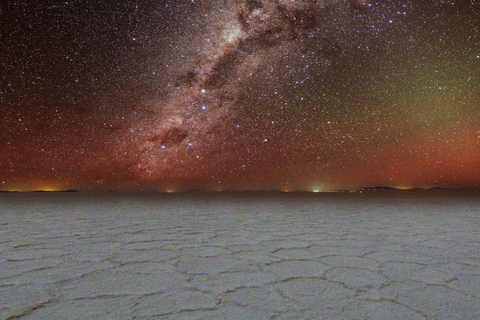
{"x":372,"y":255}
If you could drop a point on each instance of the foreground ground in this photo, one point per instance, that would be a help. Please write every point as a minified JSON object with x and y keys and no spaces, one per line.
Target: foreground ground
{"x":375,"y":255}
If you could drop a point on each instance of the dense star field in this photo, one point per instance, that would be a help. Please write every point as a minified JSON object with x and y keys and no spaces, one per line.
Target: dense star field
{"x":239,"y":94}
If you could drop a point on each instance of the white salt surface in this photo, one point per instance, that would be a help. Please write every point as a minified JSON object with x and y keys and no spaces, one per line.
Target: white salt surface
{"x":375,"y":255}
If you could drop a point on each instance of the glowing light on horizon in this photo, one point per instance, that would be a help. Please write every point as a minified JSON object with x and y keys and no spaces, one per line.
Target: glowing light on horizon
{"x":39,"y":187}
{"x":403,"y":187}
{"x":48,"y":189}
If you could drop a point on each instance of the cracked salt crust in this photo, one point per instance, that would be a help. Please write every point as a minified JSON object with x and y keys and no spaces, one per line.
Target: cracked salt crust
{"x":179,"y":257}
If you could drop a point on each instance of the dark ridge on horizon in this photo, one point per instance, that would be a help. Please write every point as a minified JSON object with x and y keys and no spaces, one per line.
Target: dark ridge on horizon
{"x":365,"y":189}
{"x":40,"y":191}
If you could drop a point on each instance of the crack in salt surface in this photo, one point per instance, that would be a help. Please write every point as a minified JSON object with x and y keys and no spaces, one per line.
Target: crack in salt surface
{"x":31,"y":309}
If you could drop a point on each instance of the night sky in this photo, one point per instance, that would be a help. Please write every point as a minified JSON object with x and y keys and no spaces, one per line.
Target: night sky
{"x":173,"y":95}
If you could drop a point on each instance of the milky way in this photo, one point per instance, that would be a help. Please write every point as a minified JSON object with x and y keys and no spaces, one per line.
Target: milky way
{"x":241,"y":94}
{"x":211,"y":90}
